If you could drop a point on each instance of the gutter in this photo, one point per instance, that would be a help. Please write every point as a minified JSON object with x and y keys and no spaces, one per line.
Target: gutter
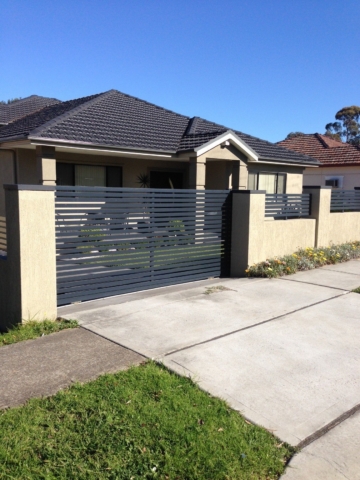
{"x":274,"y":161}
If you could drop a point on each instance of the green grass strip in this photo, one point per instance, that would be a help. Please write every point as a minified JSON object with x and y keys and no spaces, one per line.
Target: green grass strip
{"x":143,"y":423}
{"x":34,"y":329}
{"x":305,"y":259}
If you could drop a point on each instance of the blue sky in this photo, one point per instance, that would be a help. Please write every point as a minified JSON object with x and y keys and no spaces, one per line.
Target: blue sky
{"x":263,"y":67}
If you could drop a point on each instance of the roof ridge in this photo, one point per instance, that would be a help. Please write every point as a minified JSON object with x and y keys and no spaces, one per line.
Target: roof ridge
{"x":149,"y":103}
{"x":92,"y":99}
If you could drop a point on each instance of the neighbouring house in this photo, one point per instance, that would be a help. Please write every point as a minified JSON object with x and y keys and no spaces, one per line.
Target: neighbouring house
{"x":22,"y":107}
{"x":339,"y":162}
{"x":116,"y":140}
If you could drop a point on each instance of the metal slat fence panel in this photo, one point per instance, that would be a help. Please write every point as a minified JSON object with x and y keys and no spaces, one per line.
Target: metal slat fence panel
{"x":3,"y":243}
{"x":111,"y":241}
{"x":345,"y":201}
{"x":287,"y":205}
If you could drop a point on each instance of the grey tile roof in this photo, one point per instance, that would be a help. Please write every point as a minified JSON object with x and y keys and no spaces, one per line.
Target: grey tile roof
{"x":25,"y":106}
{"x":24,"y":126}
{"x":115,"y":119}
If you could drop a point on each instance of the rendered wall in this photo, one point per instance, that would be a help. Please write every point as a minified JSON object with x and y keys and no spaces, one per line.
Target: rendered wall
{"x":283,"y":237}
{"x":316,"y":176}
{"x":344,"y":227}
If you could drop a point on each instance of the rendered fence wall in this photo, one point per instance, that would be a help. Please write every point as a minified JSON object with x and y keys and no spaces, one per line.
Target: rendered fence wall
{"x":283,"y":237}
{"x":344,"y":227}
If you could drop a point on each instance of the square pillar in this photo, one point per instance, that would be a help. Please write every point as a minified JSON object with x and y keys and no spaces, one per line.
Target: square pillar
{"x":31,"y":255}
{"x":320,"y":210}
{"x":197,"y":173}
{"x":247,"y":234}
{"x":46,"y":165}
{"x":238,"y":175}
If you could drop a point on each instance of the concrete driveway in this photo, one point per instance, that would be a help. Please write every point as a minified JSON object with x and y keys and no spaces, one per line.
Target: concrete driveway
{"x":284,"y":352}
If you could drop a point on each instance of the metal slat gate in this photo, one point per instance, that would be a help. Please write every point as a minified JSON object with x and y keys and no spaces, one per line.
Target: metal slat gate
{"x":111,"y":241}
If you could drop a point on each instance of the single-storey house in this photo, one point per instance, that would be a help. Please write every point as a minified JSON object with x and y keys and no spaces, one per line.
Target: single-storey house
{"x":9,"y":112}
{"x":116,"y":140}
{"x":339,"y":162}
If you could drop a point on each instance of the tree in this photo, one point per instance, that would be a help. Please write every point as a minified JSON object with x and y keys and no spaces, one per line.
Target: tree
{"x":11,"y":100}
{"x":347,"y":128}
{"x":294,"y":134}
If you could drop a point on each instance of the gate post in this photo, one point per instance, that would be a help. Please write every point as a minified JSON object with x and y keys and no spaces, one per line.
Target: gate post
{"x":320,"y":210}
{"x":247,"y":230}
{"x":31,"y":254}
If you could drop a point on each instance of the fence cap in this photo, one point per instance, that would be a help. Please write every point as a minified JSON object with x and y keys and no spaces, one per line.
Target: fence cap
{"x":30,"y":187}
{"x":262,"y":192}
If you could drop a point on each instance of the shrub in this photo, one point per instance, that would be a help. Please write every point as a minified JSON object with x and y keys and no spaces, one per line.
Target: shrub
{"x":305,"y":259}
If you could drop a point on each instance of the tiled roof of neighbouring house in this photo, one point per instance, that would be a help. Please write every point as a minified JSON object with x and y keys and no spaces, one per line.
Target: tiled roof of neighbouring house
{"x":325,"y":149}
{"x":20,"y":108}
{"x":114,"y":119}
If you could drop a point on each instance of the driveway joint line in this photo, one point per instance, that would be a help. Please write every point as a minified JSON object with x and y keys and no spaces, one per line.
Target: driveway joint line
{"x":113,"y":341}
{"x":317,"y":284}
{"x":340,"y":271}
{"x":253,"y":326}
{"x":329,"y":426}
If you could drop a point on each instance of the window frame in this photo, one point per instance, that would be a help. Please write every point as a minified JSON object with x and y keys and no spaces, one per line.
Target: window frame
{"x":277,"y":174}
{"x":107,"y":176}
{"x":334,"y":178}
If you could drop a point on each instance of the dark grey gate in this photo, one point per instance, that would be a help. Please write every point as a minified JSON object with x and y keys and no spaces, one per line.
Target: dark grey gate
{"x":111,"y":241}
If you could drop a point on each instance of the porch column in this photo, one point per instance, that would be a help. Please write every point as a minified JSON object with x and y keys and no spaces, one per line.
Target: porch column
{"x":197,"y":173}
{"x":238,"y":175}
{"x":46,"y":165}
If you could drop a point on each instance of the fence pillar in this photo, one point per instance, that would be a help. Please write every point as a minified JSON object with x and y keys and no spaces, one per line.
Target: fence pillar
{"x":248,"y":215}
{"x":31,"y":262}
{"x":320,"y":210}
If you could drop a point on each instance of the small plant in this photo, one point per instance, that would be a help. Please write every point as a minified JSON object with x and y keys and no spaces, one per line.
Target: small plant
{"x":356,"y":290}
{"x":144,"y":180}
{"x":305,"y":259}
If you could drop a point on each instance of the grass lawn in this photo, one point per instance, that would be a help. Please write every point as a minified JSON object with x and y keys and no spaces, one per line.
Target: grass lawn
{"x":34,"y":329}
{"x":142,"y":423}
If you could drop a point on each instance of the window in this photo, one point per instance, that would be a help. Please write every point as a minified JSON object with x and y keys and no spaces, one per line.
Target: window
{"x":271,"y":182}
{"x":161,"y":179}
{"x":335,"y":182}
{"x":88,"y":175}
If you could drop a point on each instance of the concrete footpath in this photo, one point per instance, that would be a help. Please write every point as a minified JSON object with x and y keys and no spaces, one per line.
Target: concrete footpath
{"x":41,"y":367}
{"x":284,"y":352}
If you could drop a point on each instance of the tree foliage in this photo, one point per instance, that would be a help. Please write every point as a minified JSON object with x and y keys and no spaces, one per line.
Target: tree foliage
{"x":11,"y":100}
{"x":347,"y":127}
{"x":294,"y":134}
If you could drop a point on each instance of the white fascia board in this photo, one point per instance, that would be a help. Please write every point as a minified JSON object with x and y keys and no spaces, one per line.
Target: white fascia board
{"x":233,"y":139}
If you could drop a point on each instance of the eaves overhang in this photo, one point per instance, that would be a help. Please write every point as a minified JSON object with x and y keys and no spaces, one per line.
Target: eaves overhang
{"x":275,"y":161}
{"x":75,"y":145}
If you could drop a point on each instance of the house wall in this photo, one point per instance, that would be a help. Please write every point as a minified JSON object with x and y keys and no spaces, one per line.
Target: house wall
{"x":218,"y":175}
{"x":294,"y":177}
{"x":7,"y":176}
{"x":316,"y":176}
